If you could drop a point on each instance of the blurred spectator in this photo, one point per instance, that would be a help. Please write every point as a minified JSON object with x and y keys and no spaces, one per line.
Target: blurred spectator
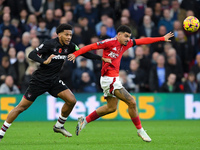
{"x":6,"y":32}
{"x":6,"y":24}
{"x":35,"y":7}
{"x":42,"y":32}
{"x":76,"y":75}
{"x":16,"y":6}
{"x":58,"y":14}
{"x":125,"y":80}
{"x":77,"y":37}
{"x":165,"y":4}
{"x":147,"y":12}
{"x":103,"y":33}
{"x":137,"y":10}
{"x":12,"y":55}
{"x":196,"y":67}
{"x":25,"y":42}
{"x":86,"y":84}
{"x":69,"y":16}
{"x":154,"y":58}
{"x":145,"y":62}
{"x":20,"y":67}
{"x":23,"y":16}
{"x":9,"y":87}
{"x":52,"y":5}
{"x":170,"y":85}
{"x":4,"y":47}
{"x":32,"y":22}
{"x":177,"y":26}
{"x":166,"y":21}
{"x":50,"y":21}
{"x":110,"y":28}
{"x":35,"y":43}
{"x":157,"y":13}
{"x":32,"y":34}
{"x":125,"y":61}
{"x":167,"y":46}
{"x":159,"y":46}
{"x":126,"y":21}
{"x":6,"y":69}
{"x":148,"y":29}
{"x":158,"y":74}
{"x":86,"y":30}
{"x":78,"y":9}
{"x":176,"y":12}
{"x":27,"y":78}
{"x":136,"y":77}
{"x":102,"y":22}
{"x":1,"y":6}
{"x":90,"y":13}
{"x":183,"y":50}
{"x":190,"y":85}
{"x":105,"y":8}
{"x":192,"y":5}
{"x":174,"y":67}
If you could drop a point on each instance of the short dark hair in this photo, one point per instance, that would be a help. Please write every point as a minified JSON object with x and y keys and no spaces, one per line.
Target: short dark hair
{"x":63,"y":27}
{"x":123,"y":28}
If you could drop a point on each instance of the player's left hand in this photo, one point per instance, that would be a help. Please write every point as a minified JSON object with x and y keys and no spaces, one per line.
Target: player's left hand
{"x":108,"y":60}
{"x":71,"y":57}
{"x":168,"y":35}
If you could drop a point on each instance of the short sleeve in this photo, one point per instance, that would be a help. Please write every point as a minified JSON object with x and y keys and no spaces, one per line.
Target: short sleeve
{"x":43,"y":48}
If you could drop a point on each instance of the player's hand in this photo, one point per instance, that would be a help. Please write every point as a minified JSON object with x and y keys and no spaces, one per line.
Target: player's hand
{"x":46,"y":62}
{"x":71,"y":57}
{"x":168,"y":35}
{"x":108,"y":60}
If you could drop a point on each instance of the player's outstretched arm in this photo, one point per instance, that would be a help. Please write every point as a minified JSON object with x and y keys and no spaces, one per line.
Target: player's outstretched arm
{"x":150,"y":40}
{"x":168,"y":36}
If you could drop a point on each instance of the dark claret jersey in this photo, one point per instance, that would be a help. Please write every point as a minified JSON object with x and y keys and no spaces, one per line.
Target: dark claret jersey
{"x":49,"y":72}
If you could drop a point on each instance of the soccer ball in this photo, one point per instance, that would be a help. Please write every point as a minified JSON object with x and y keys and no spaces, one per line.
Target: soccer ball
{"x":191,"y":24}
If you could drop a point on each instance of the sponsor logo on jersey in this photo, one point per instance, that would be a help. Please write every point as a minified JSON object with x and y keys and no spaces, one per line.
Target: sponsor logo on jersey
{"x":59,"y":57}
{"x":113,"y":55}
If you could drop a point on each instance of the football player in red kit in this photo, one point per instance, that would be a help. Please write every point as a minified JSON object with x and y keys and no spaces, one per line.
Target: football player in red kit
{"x":113,"y":90}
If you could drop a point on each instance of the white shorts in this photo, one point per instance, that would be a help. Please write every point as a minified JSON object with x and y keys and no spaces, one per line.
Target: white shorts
{"x":109,"y":85}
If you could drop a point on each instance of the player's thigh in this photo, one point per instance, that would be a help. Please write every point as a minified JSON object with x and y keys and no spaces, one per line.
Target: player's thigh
{"x":24,"y":104}
{"x":67,"y":96}
{"x":111,"y":101}
{"x":124,"y":95}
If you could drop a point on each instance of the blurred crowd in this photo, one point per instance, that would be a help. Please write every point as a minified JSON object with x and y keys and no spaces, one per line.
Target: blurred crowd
{"x":159,"y":67}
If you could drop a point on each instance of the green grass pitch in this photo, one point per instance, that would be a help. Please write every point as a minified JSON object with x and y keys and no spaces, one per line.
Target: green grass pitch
{"x":103,"y":135}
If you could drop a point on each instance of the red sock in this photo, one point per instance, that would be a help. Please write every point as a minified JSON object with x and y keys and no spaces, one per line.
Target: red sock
{"x":137,"y":122}
{"x":91,"y":117}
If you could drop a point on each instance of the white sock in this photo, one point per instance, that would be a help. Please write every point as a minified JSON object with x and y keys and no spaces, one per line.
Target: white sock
{"x":139,"y":130}
{"x":7,"y":125}
{"x":61,"y":121}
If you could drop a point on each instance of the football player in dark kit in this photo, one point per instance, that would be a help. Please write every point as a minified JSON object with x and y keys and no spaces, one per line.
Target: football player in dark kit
{"x":46,"y":79}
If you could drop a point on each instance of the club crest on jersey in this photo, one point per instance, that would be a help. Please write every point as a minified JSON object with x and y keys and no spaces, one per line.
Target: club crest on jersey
{"x":65,"y":50}
{"x":54,"y":49}
{"x":113,"y":55}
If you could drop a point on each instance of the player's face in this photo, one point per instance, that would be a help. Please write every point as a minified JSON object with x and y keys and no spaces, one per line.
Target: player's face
{"x":65,"y":37}
{"x":124,"y":37}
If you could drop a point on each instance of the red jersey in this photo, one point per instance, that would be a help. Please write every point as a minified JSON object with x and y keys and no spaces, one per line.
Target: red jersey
{"x":113,"y":49}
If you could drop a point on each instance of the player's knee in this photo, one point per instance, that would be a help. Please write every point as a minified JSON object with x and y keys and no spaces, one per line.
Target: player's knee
{"x":132,"y":104}
{"x":112,"y":109}
{"x":72,"y":101}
